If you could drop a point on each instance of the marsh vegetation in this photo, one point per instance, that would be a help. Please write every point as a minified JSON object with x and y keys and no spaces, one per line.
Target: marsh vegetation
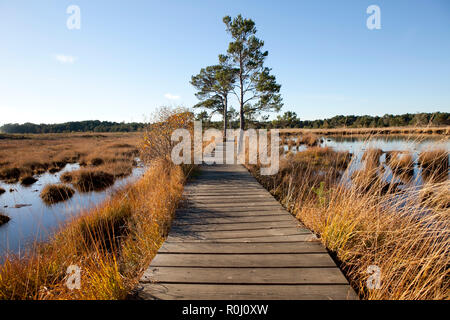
{"x":372,"y":207}
{"x":112,"y":242}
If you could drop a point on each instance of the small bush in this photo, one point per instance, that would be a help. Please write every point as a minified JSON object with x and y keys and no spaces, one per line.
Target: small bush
{"x":2,"y":191}
{"x":54,"y":193}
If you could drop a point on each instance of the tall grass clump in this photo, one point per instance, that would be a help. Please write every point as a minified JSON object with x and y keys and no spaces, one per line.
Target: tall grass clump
{"x":405,"y":233}
{"x":27,"y":180}
{"x":434,"y":164}
{"x":54,"y":193}
{"x":86,"y":180}
{"x":4,"y":219}
{"x":309,"y":139}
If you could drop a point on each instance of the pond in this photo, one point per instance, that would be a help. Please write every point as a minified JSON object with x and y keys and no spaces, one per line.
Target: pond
{"x":32,"y":220}
{"x":358,"y":145}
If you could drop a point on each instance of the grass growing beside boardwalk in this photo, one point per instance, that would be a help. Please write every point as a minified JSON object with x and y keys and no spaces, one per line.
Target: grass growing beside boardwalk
{"x":407,"y":240}
{"x":112,"y":244}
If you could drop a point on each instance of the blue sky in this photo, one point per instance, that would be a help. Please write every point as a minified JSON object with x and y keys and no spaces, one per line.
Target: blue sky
{"x":130,"y":57}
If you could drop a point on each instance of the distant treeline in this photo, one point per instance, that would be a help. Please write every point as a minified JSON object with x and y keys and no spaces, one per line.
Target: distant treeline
{"x":288,"y":120}
{"x":76,"y":126}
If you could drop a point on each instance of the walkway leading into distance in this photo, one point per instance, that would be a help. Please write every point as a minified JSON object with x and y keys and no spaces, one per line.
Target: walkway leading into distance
{"x":233,"y":240}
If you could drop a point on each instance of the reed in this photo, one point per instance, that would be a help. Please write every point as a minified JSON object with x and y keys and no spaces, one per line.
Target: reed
{"x":309,"y":139}
{"x":407,"y":240}
{"x":434,"y":164}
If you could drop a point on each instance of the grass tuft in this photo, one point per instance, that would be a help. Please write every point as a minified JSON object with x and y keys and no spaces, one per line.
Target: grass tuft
{"x":86,"y":180}
{"x":434,"y":164}
{"x":4,"y":219}
{"x":27,"y":180}
{"x":10,"y":174}
{"x":54,"y":193}
{"x":309,"y":139}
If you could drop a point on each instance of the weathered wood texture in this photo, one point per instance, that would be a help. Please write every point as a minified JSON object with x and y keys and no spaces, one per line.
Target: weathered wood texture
{"x":233,"y":240}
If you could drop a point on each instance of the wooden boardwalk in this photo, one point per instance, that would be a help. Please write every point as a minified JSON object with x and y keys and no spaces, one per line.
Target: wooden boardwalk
{"x":233,"y":240}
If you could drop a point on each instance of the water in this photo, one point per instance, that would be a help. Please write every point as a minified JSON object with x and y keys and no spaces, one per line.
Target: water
{"x":32,"y":220}
{"x":358,"y":145}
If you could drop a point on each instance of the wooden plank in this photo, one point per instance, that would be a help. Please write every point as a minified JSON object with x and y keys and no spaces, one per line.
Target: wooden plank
{"x":223,"y":183}
{"x":245,"y":292}
{"x":259,"y":210}
{"x":227,"y":215}
{"x":283,"y":238}
{"x":224,"y":212}
{"x":274,"y":247}
{"x":234,"y":240}
{"x":243,"y":260}
{"x":228,"y":197}
{"x":236,"y":275}
{"x":234,"y":204}
{"x":240,"y":206}
{"x":233,"y":234}
{"x":200,"y":220}
{"x":233,"y":226}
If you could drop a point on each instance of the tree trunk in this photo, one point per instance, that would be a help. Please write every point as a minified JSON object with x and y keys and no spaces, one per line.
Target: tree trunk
{"x":225,"y":118}
{"x":241,"y":112}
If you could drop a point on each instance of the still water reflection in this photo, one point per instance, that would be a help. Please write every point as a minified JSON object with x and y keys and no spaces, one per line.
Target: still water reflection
{"x":32,"y":220}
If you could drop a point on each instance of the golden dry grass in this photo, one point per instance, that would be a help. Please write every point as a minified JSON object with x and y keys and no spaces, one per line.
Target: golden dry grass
{"x":53,"y":193}
{"x":112,"y":244}
{"x":407,"y":240}
{"x":434,"y":164}
{"x":86,"y":180}
{"x":36,"y":154}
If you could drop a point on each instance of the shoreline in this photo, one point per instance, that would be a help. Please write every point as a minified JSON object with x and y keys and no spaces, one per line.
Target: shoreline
{"x":432,"y":131}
